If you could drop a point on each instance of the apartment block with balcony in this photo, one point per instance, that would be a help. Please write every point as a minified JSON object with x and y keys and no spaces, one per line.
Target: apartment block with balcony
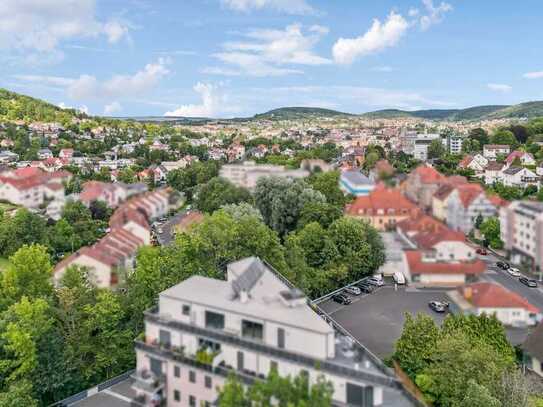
{"x":204,"y":329}
{"x":521,"y":228}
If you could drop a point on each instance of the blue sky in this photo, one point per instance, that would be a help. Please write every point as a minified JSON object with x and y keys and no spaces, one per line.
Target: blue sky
{"x":226,"y":58}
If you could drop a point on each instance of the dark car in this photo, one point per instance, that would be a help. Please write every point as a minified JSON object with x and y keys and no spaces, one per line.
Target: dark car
{"x":341,"y":299}
{"x":481,"y":251}
{"x":366,"y":287}
{"x":503,"y":265}
{"x":528,"y":282}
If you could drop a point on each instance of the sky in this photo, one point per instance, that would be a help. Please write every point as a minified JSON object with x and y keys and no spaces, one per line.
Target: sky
{"x":236,"y":58}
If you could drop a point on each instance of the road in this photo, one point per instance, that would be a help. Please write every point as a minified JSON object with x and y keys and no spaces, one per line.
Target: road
{"x":494,"y":274}
{"x":165,"y":232}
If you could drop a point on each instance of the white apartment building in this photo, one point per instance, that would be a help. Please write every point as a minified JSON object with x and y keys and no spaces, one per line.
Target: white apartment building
{"x":204,"y":329}
{"x":521,"y":228}
{"x":491,"y":151}
{"x":422,"y":142}
{"x":248,"y":173}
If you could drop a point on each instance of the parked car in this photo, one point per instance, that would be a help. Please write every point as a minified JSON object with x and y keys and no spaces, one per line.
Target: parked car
{"x":503,"y":265}
{"x":376,"y":281}
{"x":515,"y":272}
{"x":341,"y":299}
{"x":353,"y":290}
{"x":528,"y":282}
{"x":482,"y":251}
{"x":399,"y":278}
{"x":438,"y":306}
{"x":365,"y":288}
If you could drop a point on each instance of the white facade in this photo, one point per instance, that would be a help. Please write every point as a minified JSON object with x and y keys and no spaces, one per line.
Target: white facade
{"x":491,"y":151}
{"x":248,"y":173}
{"x":249,"y":324}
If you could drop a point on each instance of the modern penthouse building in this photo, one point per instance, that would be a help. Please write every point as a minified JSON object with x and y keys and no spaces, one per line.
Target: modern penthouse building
{"x":521,"y":228}
{"x":203,"y":329}
{"x":248,"y":173}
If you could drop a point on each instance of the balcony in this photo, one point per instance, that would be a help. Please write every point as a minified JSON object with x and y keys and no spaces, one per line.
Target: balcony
{"x":149,"y":388}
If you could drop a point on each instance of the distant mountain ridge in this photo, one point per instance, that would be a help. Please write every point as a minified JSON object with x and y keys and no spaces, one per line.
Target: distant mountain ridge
{"x":293,"y":113}
{"x":522,"y":110}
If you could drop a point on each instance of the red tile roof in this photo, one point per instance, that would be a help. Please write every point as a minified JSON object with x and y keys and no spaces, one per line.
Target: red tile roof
{"x":468,"y":192}
{"x":421,"y":223}
{"x":443,"y":192}
{"x":417,"y":266}
{"x":465,"y":161}
{"x":427,"y":240}
{"x":382,"y":198}
{"x":490,"y":295}
{"x":498,"y":201}
{"x":428,"y":175}
{"x":517,"y":154}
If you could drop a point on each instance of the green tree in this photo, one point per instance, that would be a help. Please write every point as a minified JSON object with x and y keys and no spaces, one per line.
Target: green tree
{"x":323,"y":213}
{"x":18,"y":394}
{"x":24,"y":228}
{"x":479,"y":396}
{"x":127,"y":175}
{"x":218,"y":192}
{"x":29,"y":274}
{"x":490,"y":228}
{"x":436,"y":149}
{"x":233,"y":394}
{"x":327,"y":183}
{"x":416,"y":344}
{"x":503,"y":136}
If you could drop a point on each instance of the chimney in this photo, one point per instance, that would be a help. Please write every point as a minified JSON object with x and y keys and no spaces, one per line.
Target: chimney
{"x":243,"y":296}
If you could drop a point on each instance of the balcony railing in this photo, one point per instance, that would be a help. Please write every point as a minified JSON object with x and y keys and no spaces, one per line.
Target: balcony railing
{"x":259,"y":347}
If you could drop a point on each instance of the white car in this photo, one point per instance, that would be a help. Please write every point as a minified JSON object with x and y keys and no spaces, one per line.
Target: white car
{"x":353,"y":290}
{"x":376,"y":280}
{"x":513,"y":271}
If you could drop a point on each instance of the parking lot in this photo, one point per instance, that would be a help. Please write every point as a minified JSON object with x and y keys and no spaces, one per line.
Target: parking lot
{"x":376,"y":320}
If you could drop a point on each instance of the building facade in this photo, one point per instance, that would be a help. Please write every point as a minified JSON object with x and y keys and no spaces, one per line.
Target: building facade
{"x":205,"y":329}
{"x":248,"y":173}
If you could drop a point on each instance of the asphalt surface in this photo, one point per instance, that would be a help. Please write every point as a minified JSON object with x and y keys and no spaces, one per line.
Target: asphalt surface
{"x":497,"y":275}
{"x":166,"y":237}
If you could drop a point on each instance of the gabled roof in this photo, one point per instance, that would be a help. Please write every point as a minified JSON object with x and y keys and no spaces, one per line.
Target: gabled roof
{"x":467,"y":193}
{"x":443,"y":192}
{"x":428,"y":175}
{"x":355,"y":177}
{"x":513,"y":170}
{"x":381,"y":198}
{"x":494,"y":166}
{"x":427,"y":240}
{"x":517,"y":154}
{"x":496,"y":146}
{"x":420,"y":223}
{"x":417,"y":266}
{"x":465,"y":161}
{"x":491,"y":295}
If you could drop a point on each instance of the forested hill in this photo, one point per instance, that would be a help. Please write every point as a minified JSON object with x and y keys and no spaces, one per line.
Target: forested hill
{"x":294,"y":113}
{"x":14,"y":106}
{"x":522,"y":110}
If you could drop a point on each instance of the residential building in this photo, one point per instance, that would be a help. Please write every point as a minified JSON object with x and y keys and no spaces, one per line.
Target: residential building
{"x":476,"y":162}
{"x":493,"y":299}
{"x":44,"y":153}
{"x":423,"y":182}
{"x":532,"y":350}
{"x":316,"y":165}
{"x":519,"y":177}
{"x":355,"y":183}
{"x":382,"y":208}
{"x":248,"y":173}
{"x":7,"y":156}
{"x":116,"y":251}
{"x":421,"y":223}
{"x":493,"y":172}
{"x":523,"y":157}
{"x":493,"y":151}
{"x":422,"y":142}
{"x":253,"y":322}
{"x":31,"y":187}
{"x":439,"y":201}
{"x":453,"y":143}
{"x":521,"y":228}
{"x":465,"y":204}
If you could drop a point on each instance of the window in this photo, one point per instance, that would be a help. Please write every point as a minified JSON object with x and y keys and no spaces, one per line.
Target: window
{"x":214,"y":320}
{"x":186,"y":310}
{"x":281,"y":338}
{"x":192,"y":376}
{"x":208,"y":382}
{"x":209,"y":345}
{"x":177,"y":395}
{"x":252,"y":330}
{"x":176,"y":371}
{"x":192,"y":401}
{"x":207,"y":404}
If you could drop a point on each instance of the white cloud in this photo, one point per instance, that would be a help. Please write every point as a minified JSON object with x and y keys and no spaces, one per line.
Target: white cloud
{"x":434,"y":13}
{"x":112,"y":107}
{"x":212,"y":100}
{"x":299,"y":7}
{"x":271,"y":52}
{"x":40,"y":25}
{"x":499,"y":87}
{"x":82,"y":109}
{"x":378,"y":37}
{"x":89,"y":87}
{"x":533,"y":75}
